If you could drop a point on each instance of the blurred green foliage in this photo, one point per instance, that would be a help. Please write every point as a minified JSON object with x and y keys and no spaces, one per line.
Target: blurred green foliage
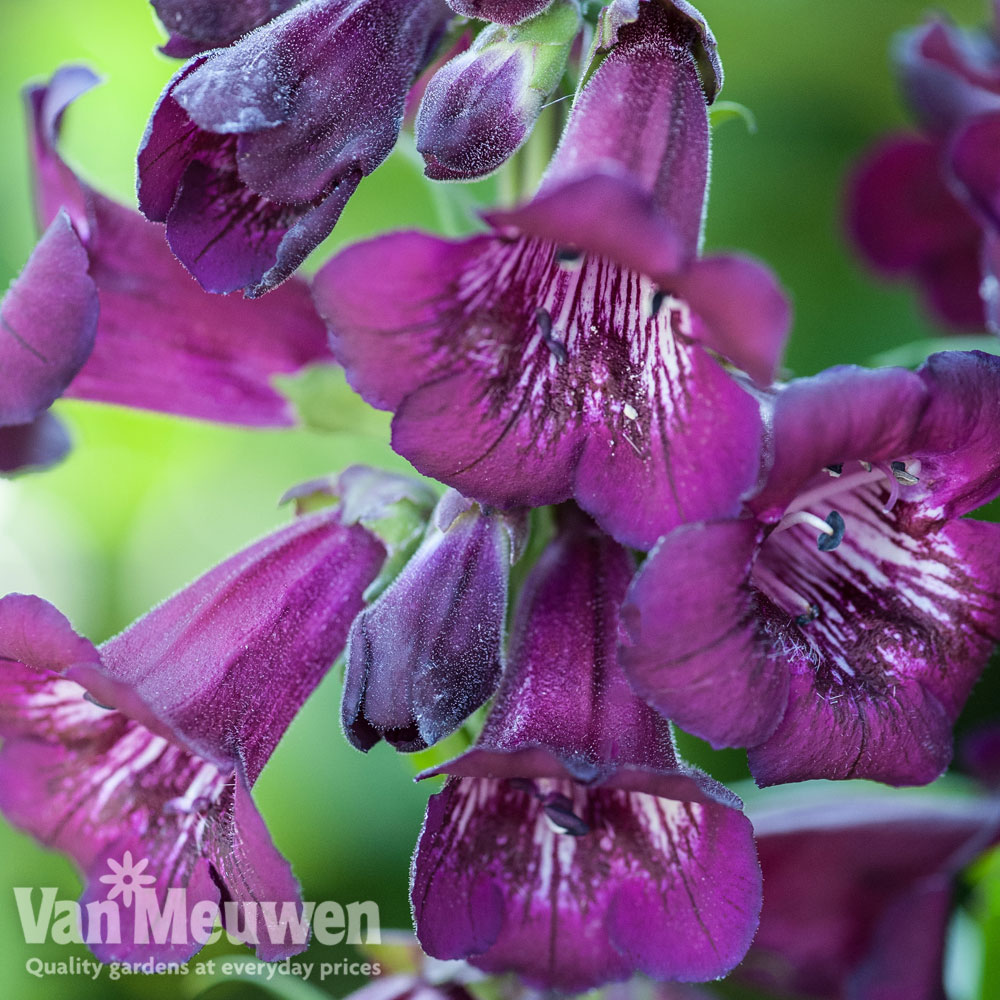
{"x":145,"y":503}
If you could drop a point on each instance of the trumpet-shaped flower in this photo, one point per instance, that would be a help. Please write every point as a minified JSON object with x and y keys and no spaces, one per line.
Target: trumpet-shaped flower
{"x":838,"y":630}
{"x":149,"y":744}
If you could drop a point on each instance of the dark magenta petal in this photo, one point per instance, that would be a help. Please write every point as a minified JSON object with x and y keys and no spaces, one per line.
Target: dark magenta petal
{"x":564,"y":688}
{"x":902,"y":626}
{"x":739,"y":311}
{"x":37,"y":635}
{"x":228,"y":661}
{"x":499,"y":11}
{"x":429,"y":651}
{"x":905,"y":221}
{"x":605,"y":213}
{"x":974,"y":160}
{"x":162,"y":343}
{"x":900,"y":211}
{"x":660,"y":136}
{"x":858,"y":888}
{"x":694,"y":650}
{"x":520,"y":380}
{"x":842,"y":414}
{"x":33,"y":447}
{"x":48,"y":321}
{"x":948,"y":74}
{"x":953,"y":288}
{"x":958,"y":437}
{"x":254,"y":149}
{"x":196,"y":25}
{"x":497,"y":880}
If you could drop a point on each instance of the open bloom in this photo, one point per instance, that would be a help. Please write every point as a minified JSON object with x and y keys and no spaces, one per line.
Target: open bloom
{"x":569,"y":845}
{"x":928,"y":206}
{"x":148,"y":745}
{"x":429,"y":651}
{"x":838,"y":630}
{"x":254,"y":149}
{"x":103,"y":311}
{"x":567,"y":353}
{"x":859,"y":890}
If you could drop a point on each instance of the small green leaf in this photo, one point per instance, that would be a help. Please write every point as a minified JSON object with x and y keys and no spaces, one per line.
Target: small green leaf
{"x":726,"y":111}
{"x":915,"y":353}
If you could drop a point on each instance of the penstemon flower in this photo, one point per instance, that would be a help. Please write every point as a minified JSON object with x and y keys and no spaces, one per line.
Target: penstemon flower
{"x":838,"y":629}
{"x":151,"y":743}
{"x":103,"y":311}
{"x":566,"y":354}
{"x":253,"y":150}
{"x":928,"y":206}
{"x":570,"y":844}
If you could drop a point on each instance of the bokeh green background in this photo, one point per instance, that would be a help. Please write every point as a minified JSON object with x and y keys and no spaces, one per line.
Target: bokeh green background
{"x":145,"y":503}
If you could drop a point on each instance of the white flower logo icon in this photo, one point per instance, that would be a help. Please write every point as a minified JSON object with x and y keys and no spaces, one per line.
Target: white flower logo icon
{"x":126,"y":878}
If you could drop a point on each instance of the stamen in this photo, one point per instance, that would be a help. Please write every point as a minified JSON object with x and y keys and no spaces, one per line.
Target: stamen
{"x":803,"y":517}
{"x":808,"y":616}
{"x":781,"y":592}
{"x":87,"y":696}
{"x":569,"y":255}
{"x":831,"y":538}
{"x":559,"y":812}
{"x":820,"y":493}
{"x":836,"y":470}
{"x":555,"y":345}
{"x":659,"y":297}
{"x":902,"y":475}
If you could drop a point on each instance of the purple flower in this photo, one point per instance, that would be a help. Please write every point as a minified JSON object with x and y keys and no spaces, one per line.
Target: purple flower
{"x":567,"y":353}
{"x":499,"y":11}
{"x":480,"y":107}
{"x":838,"y":631}
{"x":429,"y":651}
{"x":103,"y":311}
{"x":196,"y":25}
{"x":859,"y":889}
{"x":929,"y":207}
{"x":253,"y":150}
{"x":148,"y":745}
{"x":569,"y":845}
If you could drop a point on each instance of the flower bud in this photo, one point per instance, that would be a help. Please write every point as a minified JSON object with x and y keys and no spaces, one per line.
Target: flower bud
{"x":480,"y":107}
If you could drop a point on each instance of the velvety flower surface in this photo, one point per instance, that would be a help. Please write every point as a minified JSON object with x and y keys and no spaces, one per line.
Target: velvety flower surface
{"x":499,"y":11}
{"x":103,"y":311}
{"x":48,"y":321}
{"x":859,"y":890}
{"x":927,"y":206}
{"x":253,"y":150}
{"x":429,"y":651}
{"x":148,"y":745}
{"x":838,"y":631}
{"x":537,"y":363}
{"x":479,"y":108}
{"x":569,"y":845}
{"x":196,"y":25}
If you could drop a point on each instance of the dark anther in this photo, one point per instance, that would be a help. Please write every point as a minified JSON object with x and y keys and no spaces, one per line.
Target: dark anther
{"x":559,"y":810}
{"x":659,"y":297}
{"x":87,"y":696}
{"x":808,"y":616}
{"x":555,"y":345}
{"x":903,"y":477}
{"x":523,"y":785}
{"x":835,"y":470}
{"x":569,"y":255}
{"x":544,"y":321}
{"x":827,"y":543}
